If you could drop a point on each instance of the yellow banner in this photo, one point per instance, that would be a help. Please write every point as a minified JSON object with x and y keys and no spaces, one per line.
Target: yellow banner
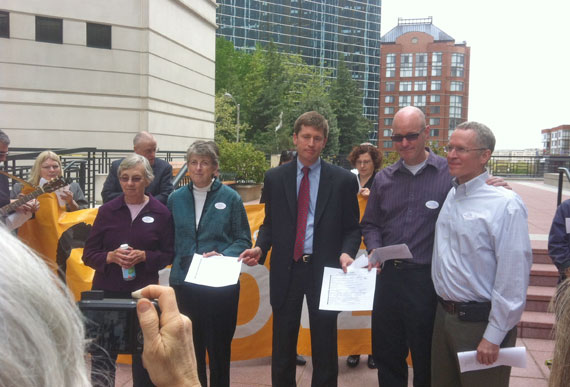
{"x":59,"y":236}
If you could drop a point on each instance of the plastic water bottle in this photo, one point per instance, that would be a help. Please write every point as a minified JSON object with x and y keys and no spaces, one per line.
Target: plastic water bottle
{"x":128,"y":274}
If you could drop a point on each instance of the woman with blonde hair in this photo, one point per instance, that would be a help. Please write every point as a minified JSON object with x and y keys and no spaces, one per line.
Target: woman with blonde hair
{"x":47,"y":167}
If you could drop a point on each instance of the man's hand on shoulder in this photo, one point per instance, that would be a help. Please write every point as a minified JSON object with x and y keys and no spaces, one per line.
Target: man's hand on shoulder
{"x":487,"y":352}
{"x":250,"y":257}
{"x":496,"y":181}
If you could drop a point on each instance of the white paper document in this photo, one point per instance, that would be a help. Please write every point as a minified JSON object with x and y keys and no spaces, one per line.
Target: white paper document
{"x":350,"y":291}
{"x":383,"y":254}
{"x":215,"y":271}
{"x":360,"y":262}
{"x":514,"y":357}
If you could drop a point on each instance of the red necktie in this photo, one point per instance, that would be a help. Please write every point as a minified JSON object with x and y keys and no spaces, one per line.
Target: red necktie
{"x":302,"y":212}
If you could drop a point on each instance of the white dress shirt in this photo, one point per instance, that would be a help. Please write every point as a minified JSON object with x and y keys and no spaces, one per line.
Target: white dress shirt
{"x":482,"y":252}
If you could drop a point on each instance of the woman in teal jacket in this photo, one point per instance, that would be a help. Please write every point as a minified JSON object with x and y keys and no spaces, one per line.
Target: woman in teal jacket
{"x":209,"y":219}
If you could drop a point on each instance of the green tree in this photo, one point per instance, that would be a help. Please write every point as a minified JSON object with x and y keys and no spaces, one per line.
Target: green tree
{"x":226,"y":120}
{"x":346,"y":102}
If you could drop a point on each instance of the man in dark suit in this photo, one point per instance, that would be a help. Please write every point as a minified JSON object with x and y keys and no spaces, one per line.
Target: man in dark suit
{"x":161,"y":186}
{"x":311,"y":221}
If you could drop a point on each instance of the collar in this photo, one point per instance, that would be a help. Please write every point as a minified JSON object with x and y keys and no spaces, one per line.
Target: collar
{"x":214,"y":185}
{"x":432,"y":160}
{"x":468,"y":187}
{"x":315,"y":165}
{"x":119,"y":202}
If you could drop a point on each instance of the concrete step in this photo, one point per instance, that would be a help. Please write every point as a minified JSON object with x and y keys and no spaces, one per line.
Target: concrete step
{"x":538,"y":298}
{"x":540,"y":256}
{"x":542,"y":274}
{"x":536,"y":325}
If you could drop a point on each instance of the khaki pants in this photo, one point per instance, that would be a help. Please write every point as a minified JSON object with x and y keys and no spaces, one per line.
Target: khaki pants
{"x":451,"y":335}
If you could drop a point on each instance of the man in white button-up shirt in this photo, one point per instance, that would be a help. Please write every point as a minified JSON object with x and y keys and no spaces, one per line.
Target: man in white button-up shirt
{"x":480,"y":266}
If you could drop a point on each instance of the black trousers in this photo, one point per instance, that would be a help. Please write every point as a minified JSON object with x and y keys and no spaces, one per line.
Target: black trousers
{"x":402,"y":320}
{"x":103,"y":363}
{"x":286,"y":320}
{"x":213,"y":312}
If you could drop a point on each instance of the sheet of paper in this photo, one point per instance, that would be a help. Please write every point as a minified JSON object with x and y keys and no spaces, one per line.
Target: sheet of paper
{"x":514,"y":357}
{"x":347,"y":291}
{"x":215,"y":271}
{"x":360,"y":262}
{"x":383,"y":254}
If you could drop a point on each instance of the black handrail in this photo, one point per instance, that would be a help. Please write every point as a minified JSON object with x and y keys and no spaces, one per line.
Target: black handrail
{"x":561,"y":171}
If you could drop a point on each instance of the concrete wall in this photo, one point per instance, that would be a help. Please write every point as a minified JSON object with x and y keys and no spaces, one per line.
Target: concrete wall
{"x":158,"y":76}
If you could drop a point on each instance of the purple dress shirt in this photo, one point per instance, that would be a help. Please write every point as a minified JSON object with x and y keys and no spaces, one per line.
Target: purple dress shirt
{"x":403,"y":208}
{"x":152,"y":231}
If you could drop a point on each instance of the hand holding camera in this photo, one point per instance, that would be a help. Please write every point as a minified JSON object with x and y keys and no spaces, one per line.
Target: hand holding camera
{"x":168,"y":353}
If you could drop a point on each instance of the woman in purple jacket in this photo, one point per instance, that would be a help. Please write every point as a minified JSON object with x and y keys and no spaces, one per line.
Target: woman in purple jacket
{"x":131,"y":240}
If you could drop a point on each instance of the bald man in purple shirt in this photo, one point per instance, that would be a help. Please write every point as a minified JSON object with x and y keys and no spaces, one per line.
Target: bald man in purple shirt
{"x":405,"y":200}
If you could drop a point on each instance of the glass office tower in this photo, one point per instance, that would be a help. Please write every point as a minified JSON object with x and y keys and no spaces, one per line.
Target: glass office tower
{"x":318,"y":30}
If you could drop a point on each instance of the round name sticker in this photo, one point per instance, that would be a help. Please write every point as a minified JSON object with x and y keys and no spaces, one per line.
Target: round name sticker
{"x":148,"y":219}
{"x":432,"y":204}
{"x":220,"y":205}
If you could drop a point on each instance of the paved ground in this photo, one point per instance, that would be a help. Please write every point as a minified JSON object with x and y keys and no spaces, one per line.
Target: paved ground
{"x":540,"y":200}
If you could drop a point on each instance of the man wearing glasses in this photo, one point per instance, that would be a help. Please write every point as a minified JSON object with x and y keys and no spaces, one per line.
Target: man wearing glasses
{"x":145,"y":145}
{"x":405,"y":200}
{"x":480,"y":267}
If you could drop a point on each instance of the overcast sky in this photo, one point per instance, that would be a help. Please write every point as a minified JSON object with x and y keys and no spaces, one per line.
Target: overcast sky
{"x":520,"y":60}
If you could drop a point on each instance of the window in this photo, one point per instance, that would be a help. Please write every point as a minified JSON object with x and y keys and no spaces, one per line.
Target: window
{"x":387,"y":132}
{"x":435,"y":98}
{"x":390,"y":65}
{"x":389,"y":99}
{"x":434,"y":121}
{"x":405,"y":100}
{"x":4,"y":24}
{"x":453,"y":122}
{"x":419,"y":100}
{"x":388,"y":121}
{"x":387,"y":144}
{"x":456,"y":100}
{"x":434,"y":109}
{"x":389,"y":110}
{"x":421,"y":65}
{"x":98,"y":35}
{"x":434,"y":132}
{"x":405,"y":86}
{"x":456,"y":86}
{"x":436,"y":85}
{"x":406,"y":65}
{"x":49,"y":30}
{"x":436,"y":63}
{"x":420,"y":86}
{"x":390,"y":86}
{"x":457,"y":61}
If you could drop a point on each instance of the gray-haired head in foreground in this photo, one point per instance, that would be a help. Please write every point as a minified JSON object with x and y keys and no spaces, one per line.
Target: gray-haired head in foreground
{"x":133,"y":160}
{"x":204,"y":149}
{"x":4,"y":139}
{"x":42,"y":333}
{"x":485,"y":138}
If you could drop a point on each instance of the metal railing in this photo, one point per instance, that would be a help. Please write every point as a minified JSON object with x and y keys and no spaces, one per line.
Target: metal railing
{"x":561,"y":172}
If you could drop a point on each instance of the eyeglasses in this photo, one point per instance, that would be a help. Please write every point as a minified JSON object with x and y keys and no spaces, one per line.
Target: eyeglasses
{"x":48,"y":167}
{"x":134,"y":179}
{"x":203,"y":164}
{"x":363,"y":162}
{"x":2,"y":154}
{"x":460,"y":150}
{"x":408,"y":137}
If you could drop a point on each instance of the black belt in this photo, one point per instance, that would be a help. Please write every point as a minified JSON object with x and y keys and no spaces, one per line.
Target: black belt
{"x":305,"y":258}
{"x":469,"y":311}
{"x":404,"y":264}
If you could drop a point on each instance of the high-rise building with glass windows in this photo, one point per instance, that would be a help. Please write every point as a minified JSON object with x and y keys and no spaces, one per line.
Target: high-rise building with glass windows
{"x":423,"y":66}
{"x":318,"y":30}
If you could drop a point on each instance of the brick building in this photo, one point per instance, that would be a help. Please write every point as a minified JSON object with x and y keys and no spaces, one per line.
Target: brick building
{"x":421,"y":65}
{"x":556,"y":141}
